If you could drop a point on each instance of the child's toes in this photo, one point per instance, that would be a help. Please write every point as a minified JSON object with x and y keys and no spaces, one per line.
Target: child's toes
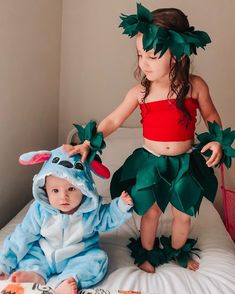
{"x":193,"y":265}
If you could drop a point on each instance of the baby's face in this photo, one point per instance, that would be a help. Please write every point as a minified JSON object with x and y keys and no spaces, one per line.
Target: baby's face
{"x":63,"y":195}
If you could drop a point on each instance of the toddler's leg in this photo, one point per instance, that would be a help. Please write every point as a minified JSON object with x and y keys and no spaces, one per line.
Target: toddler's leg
{"x":85,"y":269}
{"x":26,"y":277}
{"x":180,"y":230}
{"x":3,"y":276}
{"x":68,"y":286}
{"x":33,"y":266}
{"x":148,"y":230}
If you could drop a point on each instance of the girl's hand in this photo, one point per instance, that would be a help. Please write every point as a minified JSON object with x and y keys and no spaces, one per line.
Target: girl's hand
{"x":216,"y":155}
{"x":3,"y":276}
{"x":82,"y":149}
{"x":127,"y":198}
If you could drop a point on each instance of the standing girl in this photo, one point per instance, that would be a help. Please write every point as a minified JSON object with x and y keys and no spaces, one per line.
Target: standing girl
{"x":167,"y":168}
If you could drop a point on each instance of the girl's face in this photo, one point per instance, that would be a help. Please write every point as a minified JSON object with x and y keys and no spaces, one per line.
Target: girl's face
{"x":156,"y":69}
{"x":63,"y":195}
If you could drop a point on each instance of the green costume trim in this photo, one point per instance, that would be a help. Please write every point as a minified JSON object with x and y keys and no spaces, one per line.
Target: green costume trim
{"x":224,"y":137}
{"x":160,"y":39}
{"x":89,"y":132}
{"x":155,"y":256}
{"x":182,"y":255}
{"x":158,"y":256}
{"x":182,"y":180}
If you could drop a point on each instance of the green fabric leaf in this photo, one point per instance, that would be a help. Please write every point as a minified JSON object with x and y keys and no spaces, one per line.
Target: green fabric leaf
{"x":141,"y":207}
{"x":133,"y":162}
{"x":224,"y":137}
{"x":146,"y":177}
{"x":81,"y":132}
{"x":155,"y":256}
{"x":182,"y":259}
{"x":165,"y":179}
{"x":162,"y":192}
{"x":143,"y":13}
{"x":183,"y":188}
{"x":228,"y":136}
{"x":160,"y":39}
{"x":89,"y":132}
{"x":182,"y":255}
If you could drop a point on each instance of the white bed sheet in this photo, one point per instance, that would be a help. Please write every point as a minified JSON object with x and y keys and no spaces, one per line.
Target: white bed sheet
{"x":217,"y":259}
{"x":217,"y":262}
{"x":216,"y":274}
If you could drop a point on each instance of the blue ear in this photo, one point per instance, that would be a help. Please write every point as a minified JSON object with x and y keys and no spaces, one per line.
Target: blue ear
{"x":34,"y":157}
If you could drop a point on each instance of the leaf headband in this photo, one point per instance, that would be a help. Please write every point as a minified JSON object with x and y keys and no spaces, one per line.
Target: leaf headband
{"x":160,"y":39}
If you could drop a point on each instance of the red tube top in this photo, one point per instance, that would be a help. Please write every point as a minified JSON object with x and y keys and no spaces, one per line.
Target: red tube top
{"x":162,"y":120}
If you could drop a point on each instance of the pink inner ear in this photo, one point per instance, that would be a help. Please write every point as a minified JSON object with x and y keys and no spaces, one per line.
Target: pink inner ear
{"x":38,"y":158}
{"x":99,"y":169}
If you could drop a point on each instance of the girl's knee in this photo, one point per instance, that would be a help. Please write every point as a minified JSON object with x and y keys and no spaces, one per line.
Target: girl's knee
{"x":179,"y":216}
{"x":182,"y":218}
{"x":153,"y":212}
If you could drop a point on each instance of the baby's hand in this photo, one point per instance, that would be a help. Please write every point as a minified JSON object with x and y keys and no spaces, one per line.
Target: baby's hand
{"x":216,"y":155}
{"x":3,"y":276}
{"x":126,"y":198}
{"x":82,"y":149}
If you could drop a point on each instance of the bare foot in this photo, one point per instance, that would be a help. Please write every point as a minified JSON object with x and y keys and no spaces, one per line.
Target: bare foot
{"x":193,"y":265}
{"x":147,"y":267}
{"x":3,"y":276}
{"x":26,"y":277}
{"x":68,"y":286}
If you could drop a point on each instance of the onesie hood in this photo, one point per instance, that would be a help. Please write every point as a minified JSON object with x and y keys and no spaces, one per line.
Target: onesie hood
{"x":59,"y":164}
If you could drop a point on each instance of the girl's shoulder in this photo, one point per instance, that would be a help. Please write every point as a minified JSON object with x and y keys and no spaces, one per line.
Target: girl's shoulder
{"x":137,"y":92}
{"x":199,"y":86}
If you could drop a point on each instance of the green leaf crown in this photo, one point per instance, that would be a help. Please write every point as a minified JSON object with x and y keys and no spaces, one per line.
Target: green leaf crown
{"x":161,"y":39}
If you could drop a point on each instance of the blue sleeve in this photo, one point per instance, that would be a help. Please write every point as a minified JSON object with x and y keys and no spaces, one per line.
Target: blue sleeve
{"x":113,"y":215}
{"x":17,"y":244}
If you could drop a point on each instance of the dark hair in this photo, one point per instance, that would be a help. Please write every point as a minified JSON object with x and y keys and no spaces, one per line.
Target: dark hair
{"x":175,"y":19}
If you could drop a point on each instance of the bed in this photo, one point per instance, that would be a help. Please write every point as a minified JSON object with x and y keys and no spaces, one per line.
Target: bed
{"x":217,"y":256}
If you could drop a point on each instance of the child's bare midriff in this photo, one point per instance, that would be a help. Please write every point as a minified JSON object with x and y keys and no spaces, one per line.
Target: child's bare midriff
{"x":168,"y":148}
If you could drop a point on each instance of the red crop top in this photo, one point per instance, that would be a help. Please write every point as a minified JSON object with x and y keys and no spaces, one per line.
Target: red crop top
{"x":162,"y":120}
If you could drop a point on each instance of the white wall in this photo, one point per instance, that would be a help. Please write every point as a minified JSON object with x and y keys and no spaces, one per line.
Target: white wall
{"x":30,"y":34}
{"x":97,"y":61}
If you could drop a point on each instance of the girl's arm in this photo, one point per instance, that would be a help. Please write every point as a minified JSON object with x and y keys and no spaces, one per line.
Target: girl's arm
{"x":113,"y":121}
{"x":206,"y":106}
{"x":209,"y":113}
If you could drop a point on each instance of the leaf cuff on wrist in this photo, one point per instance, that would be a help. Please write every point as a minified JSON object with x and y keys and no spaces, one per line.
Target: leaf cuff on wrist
{"x":224,"y":137}
{"x":89,"y":132}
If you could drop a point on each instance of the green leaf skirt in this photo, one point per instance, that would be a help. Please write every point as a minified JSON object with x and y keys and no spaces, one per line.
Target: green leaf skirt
{"x":182,"y":180}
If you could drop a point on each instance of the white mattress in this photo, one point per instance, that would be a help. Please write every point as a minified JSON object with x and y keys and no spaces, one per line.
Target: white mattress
{"x":217,"y":263}
{"x":216,"y":274}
